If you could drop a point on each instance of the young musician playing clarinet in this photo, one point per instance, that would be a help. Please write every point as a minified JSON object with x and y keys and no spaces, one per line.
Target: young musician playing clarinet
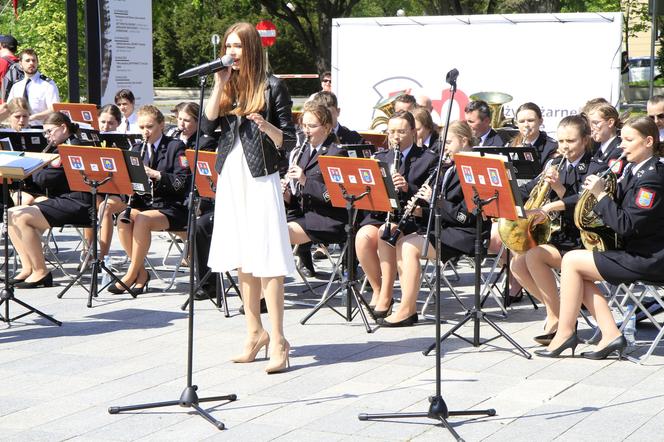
{"x":410,"y":166}
{"x":636,"y":213}
{"x":565,"y":175}
{"x":458,"y":227}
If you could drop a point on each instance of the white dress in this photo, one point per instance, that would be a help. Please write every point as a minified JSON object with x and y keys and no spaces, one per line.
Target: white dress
{"x":250,"y":229}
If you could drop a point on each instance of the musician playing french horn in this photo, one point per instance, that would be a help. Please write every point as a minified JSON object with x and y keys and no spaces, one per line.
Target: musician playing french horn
{"x":167,"y":168}
{"x":458,"y":226}
{"x":564,"y":175}
{"x":409,"y":166}
{"x":636,"y":213}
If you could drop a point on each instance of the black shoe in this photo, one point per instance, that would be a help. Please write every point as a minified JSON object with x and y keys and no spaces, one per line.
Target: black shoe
{"x":571,"y":342}
{"x":319,"y":253}
{"x":139,"y":289}
{"x":306,"y":264}
{"x":263,"y":307}
{"x":46,"y":281}
{"x":408,"y":322}
{"x":383,"y":313}
{"x":619,"y":344}
{"x":544,"y":339}
{"x":203,"y":294}
{"x":14,"y":281}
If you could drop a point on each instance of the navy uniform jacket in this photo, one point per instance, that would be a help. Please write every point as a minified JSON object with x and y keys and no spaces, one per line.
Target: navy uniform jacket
{"x":458,"y":224}
{"x":317,"y":210}
{"x":207,"y":143}
{"x":637,"y":213}
{"x":416,"y":168}
{"x":434,"y":142}
{"x":493,"y":139}
{"x":602,"y":161}
{"x":171,"y":161}
{"x":51,"y":181}
{"x":348,"y":136}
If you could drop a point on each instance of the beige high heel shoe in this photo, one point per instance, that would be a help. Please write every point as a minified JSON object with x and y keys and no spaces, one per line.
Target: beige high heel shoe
{"x":280,"y":361}
{"x":250,"y":356}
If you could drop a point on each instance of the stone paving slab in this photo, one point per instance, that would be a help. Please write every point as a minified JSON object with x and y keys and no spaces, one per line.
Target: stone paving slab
{"x":59,"y":381}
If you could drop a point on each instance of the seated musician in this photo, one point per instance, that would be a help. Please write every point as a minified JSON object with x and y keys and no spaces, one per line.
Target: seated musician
{"x":50,"y":181}
{"x":27,"y":223}
{"x":534,"y":269}
{"x":458,"y":228}
{"x":428,"y":136}
{"x":187,"y":119}
{"x":377,"y":257}
{"x":109,"y":118}
{"x":166,"y":167}
{"x":529,"y":120}
{"x":635,"y":213}
{"x":478,"y":117}
{"x":19,"y":114}
{"x":604,"y":125}
{"x":344,"y":134}
{"x":314,"y":219}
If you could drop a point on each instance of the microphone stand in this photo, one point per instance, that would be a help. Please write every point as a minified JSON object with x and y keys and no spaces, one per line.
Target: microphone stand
{"x":438,"y":409}
{"x":189,"y":398}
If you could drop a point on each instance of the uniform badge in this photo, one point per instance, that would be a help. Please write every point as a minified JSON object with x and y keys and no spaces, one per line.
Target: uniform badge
{"x":461,"y":217}
{"x":326,"y":196}
{"x":581,"y":167}
{"x":183,"y":161}
{"x":644,"y":198}
{"x":616,"y":166}
{"x":640,"y":173}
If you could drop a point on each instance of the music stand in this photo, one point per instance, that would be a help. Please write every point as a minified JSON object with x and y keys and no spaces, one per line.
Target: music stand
{"x":354,"y":183}
{"x":206,"y":185}
{"x":119,"y":139}
{"x":18,"y":169}
{"x":524,"y":159}
{"x":489,"y":188}
{"x":358,"y":150}
{"x":28,"y":140}
{"x":79,"y":113}
{"x":93,"y":170}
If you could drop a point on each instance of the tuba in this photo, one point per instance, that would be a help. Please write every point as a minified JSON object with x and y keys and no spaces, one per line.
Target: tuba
{"x":496,"y":101}
{"x":386,"y":106}
{"x":523,"y":234}
{"x":595,"y":235}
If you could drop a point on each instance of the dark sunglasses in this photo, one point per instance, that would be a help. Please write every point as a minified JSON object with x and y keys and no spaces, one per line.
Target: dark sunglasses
{"x":327,"y":80}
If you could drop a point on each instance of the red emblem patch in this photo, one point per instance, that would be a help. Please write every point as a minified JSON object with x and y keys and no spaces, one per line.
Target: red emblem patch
{"x":616,"y":166}
{"x":645,"y":198}
{"x":183,"y":161}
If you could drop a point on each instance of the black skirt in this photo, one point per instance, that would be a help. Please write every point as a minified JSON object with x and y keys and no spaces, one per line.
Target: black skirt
{"x":321,"y":236}
{"x":70,"y":208}
{"x":619,"y":266}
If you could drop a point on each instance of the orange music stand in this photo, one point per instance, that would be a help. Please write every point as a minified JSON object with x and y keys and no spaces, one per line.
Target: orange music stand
{"x":378,"y":139}
{"x":79,"y":112}
{"x":357,"y":175}
{"x":489,"y":176}
{"x":206,"y":175}
{"x":95,"y":169}
{"x":95,"y":163}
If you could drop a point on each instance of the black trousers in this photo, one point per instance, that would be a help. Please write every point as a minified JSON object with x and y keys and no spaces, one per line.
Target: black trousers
{"x":204,"y":225}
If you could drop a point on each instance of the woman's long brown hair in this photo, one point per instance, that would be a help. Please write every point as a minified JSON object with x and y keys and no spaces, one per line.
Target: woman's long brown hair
{"x":244,"y":93}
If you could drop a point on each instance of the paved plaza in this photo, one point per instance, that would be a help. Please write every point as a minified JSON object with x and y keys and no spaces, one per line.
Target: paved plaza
{"x":58,"y":382}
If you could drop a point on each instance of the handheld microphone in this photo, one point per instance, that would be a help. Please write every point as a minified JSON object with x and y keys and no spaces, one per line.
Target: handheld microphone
{"x":208,"y":68}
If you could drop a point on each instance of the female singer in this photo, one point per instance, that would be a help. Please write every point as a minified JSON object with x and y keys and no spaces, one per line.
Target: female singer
{"x":427,"y":131}
{"x":534,"y":269}
{"x":636,"y":213}
{"x":250,"y":232}
{"x":316,"y":219}
{"x":529,"y":120}
{"x":458,"y":229}
{"x":377,"y":257}
{"x":167,"y":168}
{"x":19,"y":114}
{"x":27,"y":223}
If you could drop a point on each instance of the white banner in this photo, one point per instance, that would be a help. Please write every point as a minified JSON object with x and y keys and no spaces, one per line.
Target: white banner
{"x":557,"y":61}
{"x":126,"y":43}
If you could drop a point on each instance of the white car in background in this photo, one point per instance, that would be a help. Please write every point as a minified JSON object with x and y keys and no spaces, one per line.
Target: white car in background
{"x":639,"y":69}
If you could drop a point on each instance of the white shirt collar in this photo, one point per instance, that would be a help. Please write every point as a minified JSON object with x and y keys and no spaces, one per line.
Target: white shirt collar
{"x":636,"y":167}
{"x":605,"y":145}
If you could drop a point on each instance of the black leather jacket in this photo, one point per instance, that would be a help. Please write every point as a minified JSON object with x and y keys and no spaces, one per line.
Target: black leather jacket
{"x":261,"y":153}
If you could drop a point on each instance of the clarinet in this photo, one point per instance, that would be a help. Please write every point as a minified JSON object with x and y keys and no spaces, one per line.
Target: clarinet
{"x":387,"y":231}
{"x":125,"y":217}
{"x":296,"y":160}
